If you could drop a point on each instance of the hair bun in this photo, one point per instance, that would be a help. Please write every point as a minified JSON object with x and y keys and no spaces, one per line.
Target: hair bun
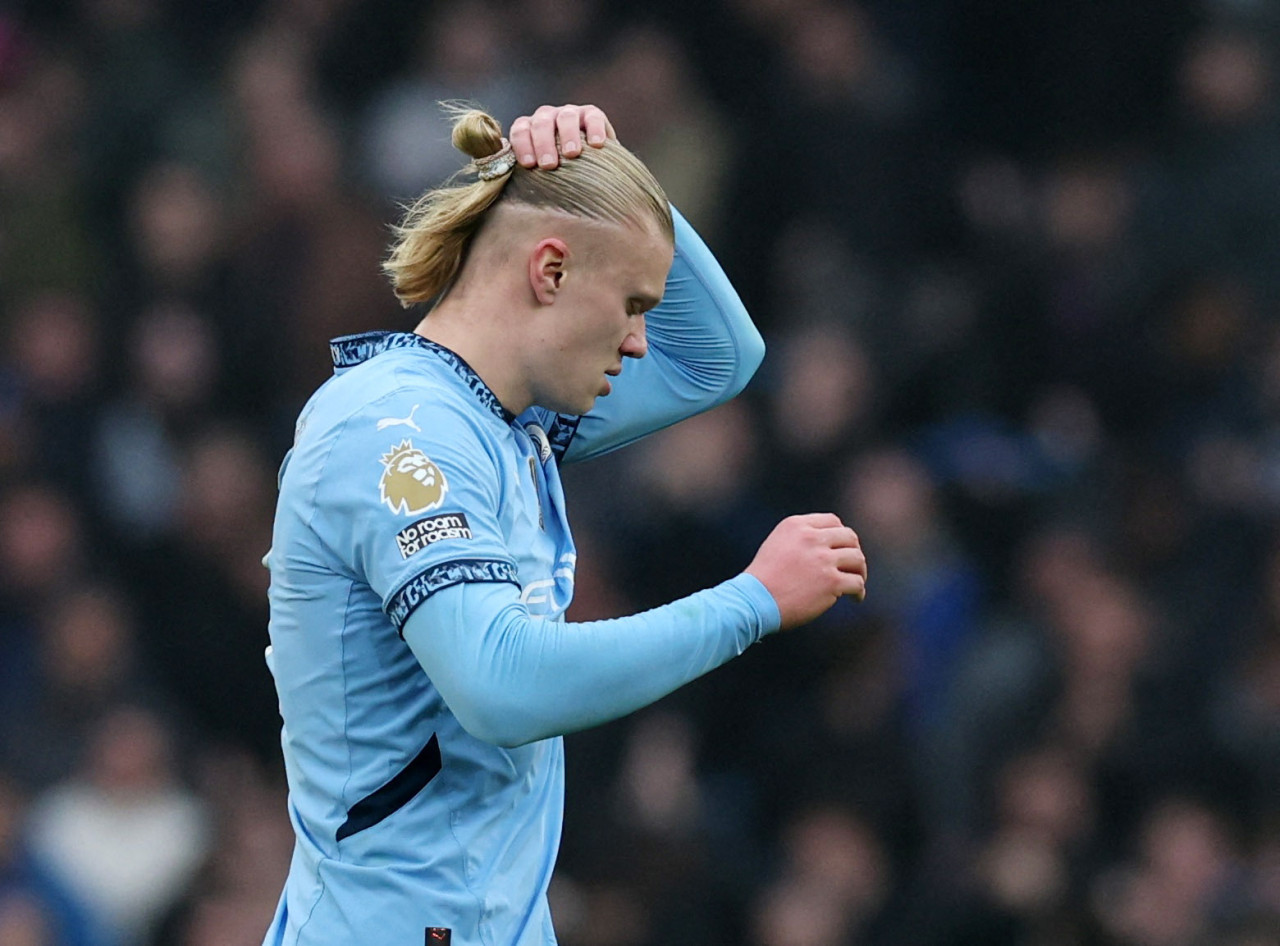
{"x":476,"y":134}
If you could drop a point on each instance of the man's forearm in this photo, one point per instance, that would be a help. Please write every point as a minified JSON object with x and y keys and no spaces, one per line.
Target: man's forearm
{"x":511,"y":678}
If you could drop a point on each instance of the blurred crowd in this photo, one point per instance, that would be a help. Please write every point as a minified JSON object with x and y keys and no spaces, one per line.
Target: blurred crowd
{"x":1018,"y":266}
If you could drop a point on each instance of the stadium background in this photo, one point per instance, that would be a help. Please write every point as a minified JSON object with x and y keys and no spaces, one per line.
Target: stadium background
{"x":1017,"y":267}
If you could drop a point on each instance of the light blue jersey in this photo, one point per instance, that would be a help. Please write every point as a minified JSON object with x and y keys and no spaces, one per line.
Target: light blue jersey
{"x":421,"y":565}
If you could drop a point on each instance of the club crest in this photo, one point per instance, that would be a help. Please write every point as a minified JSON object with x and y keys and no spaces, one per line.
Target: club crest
{"x":411,"y":483}
{"x":540,"y":440}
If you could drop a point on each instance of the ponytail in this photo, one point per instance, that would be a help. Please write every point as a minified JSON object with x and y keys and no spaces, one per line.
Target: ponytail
{"x":432,"y":239}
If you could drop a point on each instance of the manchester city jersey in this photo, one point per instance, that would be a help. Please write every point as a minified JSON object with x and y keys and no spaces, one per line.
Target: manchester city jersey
{"x":408,"y":476}
{"x":409,"y":486}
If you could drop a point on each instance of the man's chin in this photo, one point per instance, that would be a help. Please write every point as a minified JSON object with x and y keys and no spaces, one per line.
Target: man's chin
{"x":572,"y":408}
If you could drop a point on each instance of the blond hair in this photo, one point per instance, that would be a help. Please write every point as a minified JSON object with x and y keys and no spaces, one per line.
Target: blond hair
{"x":432,"y":240}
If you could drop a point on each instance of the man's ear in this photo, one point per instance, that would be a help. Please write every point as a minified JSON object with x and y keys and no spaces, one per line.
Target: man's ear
{"x":546,"y":269}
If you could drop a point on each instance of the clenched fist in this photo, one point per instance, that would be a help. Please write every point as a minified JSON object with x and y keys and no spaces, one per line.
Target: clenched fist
{"x":807,"y":562}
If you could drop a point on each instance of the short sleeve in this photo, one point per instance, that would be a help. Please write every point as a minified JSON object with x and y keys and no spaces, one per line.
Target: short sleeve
{"x":412,"y":507}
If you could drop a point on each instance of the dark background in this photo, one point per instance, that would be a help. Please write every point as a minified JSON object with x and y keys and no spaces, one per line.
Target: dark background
{"x":1016,"y":264}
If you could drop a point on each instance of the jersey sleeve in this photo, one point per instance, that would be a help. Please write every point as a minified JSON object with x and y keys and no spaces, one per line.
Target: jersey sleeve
{"x":414,"y":511}
{"x":510,"y":677}
{"x":703,"y":349}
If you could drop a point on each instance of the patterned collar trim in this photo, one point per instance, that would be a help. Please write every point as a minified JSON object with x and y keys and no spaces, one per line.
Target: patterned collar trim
{"x":351,"y":350}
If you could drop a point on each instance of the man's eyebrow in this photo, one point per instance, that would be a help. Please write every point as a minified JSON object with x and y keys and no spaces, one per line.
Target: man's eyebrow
{"x":646,"y":300}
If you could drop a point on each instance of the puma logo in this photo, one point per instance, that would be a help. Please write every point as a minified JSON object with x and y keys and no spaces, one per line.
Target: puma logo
{"x":407,"y":421}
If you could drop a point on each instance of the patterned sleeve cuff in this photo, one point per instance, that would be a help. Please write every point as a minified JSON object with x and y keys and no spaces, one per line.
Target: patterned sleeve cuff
{"x":423,"y":585}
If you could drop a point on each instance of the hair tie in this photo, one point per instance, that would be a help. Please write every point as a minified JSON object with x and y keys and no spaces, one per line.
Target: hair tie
{"x":493,"y":166}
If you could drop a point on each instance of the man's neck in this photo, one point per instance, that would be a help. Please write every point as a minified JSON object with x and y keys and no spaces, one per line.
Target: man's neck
{"x":477,"y":330}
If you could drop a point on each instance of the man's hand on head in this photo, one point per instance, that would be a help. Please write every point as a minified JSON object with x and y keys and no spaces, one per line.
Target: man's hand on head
{"x":533,"y":137}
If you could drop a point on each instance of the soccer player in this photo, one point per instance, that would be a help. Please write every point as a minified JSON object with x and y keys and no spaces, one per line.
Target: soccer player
{"x":421,"y":561}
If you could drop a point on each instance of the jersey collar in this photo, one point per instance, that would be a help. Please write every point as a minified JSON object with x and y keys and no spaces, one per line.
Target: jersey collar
{"x":350,"y":350}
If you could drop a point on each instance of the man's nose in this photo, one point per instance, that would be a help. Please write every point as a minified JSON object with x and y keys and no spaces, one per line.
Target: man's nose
{"x":636,"y":344}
